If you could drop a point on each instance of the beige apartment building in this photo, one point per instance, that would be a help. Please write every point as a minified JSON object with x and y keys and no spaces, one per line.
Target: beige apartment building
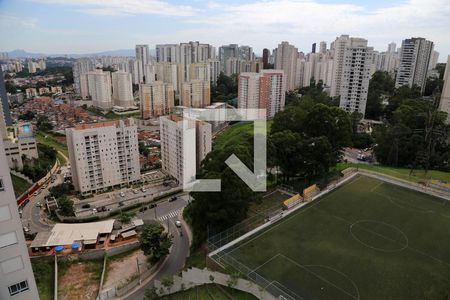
{"x":196,"y":93}
{"x":103,"y":155}
{"x":157,"y":99}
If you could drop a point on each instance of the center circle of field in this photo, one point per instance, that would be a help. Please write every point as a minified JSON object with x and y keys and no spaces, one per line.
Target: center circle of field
{"x":379,"y":235}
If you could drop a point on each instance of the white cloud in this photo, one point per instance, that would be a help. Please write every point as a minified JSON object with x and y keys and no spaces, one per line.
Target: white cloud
{"x":7,"y":21}
{"x":265,"y":23}
{"x":125,"y":7}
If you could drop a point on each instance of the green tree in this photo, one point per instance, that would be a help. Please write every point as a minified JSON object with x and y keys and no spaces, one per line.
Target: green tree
{"x":381,"y":86}
{"x":65,"y":206}
{"x":43,"y":124}
{"x":155,"y":243}
{"x":125,"y":217}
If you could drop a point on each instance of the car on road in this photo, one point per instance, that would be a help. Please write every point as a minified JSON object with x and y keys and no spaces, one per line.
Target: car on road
{"x":144,"y":208}
{"x":36,"y":193}
{"x":174,"y":198}
{"x":178,"y":224}
{"x":94,"y":210}
{"x":26,"y":229}
{"x":153,"y":205}
{"x":122,"y":194}
{"x":38,"y":204}
{"x":143,"y":190}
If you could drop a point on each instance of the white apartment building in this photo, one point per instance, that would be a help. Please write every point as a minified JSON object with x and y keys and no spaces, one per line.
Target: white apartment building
{"x":174,"y":146}
{"x":99,"y":88}
{"x":42,"y":65}
{"x":185,"y":54}
{"x":169,"y":73}
{"x":103,"y":155}
{"x":433,"y":60}
{"x":31,"y":66}
{"x":196,"y":93}
{"x":16,"y":279}
{"x":80,"y":67}
{"x":199,"y":71}
{"x":122,"y":89}
{"x":157,"y":99}
{"x":444,"y":104}
{"x":214,"y":67}
{"x":414,"y":61}
{"x":286,"y":60}
{"x":338,"y":51}
{"x":356,"y":74}
{"x":20,"y":145}
{"x":265,"y":90}
{"x":143,"y":59}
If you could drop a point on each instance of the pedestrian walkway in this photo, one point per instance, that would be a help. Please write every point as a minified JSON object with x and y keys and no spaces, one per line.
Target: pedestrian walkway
{"x":171,"y":215}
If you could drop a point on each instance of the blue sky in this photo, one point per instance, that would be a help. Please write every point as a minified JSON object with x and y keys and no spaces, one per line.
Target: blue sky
{"x":85,"y":26}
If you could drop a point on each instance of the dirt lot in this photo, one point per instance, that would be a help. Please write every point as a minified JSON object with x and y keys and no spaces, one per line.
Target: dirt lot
{"x":79,"y":280}
{"x":122,"y":267}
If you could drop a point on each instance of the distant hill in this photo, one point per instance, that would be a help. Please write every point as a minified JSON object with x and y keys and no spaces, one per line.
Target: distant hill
{"x":20,"y":53}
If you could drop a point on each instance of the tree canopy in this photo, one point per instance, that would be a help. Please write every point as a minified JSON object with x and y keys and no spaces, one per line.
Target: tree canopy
{"x":155,"y":243}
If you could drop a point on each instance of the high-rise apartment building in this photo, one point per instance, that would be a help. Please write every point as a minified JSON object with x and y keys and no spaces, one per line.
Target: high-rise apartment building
{"x":4,"y":101}
{"x":169,"y":73}
{"x":265,"y":57}
{"x":392,"y":47}
{"x":355,"y":76}
{"x":80,"y":67}
{"x":414,"y":61}
{"x":122,"y":89}
{"x":176,"y":142}
{"x":199,"y":71}
{"x":31,"y":67}
{"x":17,"y":279}
{"x":444,"y":104}
{"x":433,"y":60}
{"x":286,"y":60}
{"x":99,"y":88}
{"x":103,"y":155}
{"x":42,"y":64}
{"x":265,"y":90}
{"x":157,"y":99}
{"x":196,"y":93}
{"x":143,"y":59}
{"x":323,"y":47}
{"x":214,"y":67}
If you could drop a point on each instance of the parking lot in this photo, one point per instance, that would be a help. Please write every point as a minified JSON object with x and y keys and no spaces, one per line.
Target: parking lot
{"x":120,"y":198}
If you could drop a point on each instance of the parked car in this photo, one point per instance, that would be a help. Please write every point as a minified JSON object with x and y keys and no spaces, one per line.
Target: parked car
{"x":178,"y":224}
{"x":121,"y":204}
{"x":135,"y":191}
{"x":143,"y":190}
{"x":153,"y":205}
{"x":94,"y":210}
{"x":165,"y":183}
{"x":122,"y":194}
{"x":87,"y":205}
{"x":174,"y":198}
{"x":26,"y":229}
{"x":38,"y":204}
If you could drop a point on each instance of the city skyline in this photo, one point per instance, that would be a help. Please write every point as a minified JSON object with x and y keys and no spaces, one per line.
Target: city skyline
{"x":38,"y":25}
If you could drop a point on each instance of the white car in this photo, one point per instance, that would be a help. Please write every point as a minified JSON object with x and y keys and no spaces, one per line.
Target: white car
{"x":178,"y":224}
{"x":135,"y":191}
{"x":143,"y":190}
{"x":122,"y":194}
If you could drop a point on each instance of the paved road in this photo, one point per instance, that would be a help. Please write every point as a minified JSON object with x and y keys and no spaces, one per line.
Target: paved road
{"x":31,"y":214}
{"x":180,"y":248}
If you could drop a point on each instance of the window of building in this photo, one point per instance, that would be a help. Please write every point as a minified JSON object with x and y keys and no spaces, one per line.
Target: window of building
{"x":12,"y":265}
{"x":8,"y":239}
{"x":2,"y":185}
{"x":18,"y":288}
{"x":5,"y":213}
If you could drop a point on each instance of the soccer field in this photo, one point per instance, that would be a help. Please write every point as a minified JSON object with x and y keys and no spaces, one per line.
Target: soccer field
{"x":365,"y":240}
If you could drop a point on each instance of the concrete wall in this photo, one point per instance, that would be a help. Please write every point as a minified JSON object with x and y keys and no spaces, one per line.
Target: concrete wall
{"x":195,"y":277}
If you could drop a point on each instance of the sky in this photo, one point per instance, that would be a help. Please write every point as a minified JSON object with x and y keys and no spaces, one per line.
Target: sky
{"x":87,"y":26}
